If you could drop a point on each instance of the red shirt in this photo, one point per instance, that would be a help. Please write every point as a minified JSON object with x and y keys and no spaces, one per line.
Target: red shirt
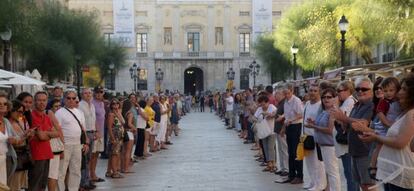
{"x":41,"y":150}
{"x":383,"y":106}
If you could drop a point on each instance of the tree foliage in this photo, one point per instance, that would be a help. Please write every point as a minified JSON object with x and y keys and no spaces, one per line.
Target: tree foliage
{"x":313,"y":26}
{"x":112,"y":53}
{"x":274,"y":61}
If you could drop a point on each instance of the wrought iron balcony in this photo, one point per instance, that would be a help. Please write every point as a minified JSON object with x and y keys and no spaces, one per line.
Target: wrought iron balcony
{"x":193,"y":55}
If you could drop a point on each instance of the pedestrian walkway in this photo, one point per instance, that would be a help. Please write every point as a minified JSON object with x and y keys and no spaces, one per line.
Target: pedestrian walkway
{"x":205,"y":156}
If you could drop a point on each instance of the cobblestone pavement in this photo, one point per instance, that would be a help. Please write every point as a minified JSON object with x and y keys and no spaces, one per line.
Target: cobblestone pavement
{"x":205,"y":156}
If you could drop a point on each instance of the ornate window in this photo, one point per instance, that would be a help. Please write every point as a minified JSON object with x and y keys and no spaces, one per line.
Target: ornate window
{"x":244,"y":42}
{"x":168,"y":35}
{"x":193,"y":41}
{"x":219,"y":35}
{"x":142,"y":42}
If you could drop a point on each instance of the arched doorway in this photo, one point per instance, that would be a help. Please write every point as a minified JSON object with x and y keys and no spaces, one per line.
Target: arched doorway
{"x":193,"y":80}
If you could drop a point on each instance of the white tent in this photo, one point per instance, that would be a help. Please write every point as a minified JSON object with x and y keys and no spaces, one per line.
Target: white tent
{"x":10,"y":78}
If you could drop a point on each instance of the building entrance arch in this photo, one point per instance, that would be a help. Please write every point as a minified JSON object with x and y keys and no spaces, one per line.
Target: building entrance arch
{"x":193,"y":80}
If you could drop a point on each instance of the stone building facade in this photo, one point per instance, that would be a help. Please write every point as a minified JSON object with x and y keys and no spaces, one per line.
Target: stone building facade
{"x":193,"y":42}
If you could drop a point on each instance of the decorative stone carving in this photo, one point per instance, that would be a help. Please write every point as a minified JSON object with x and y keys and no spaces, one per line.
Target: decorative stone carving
{"x":142,"y":28}
{"x":243,"y":28}
{"x":193,"y":27}
{"x":193,"y":13}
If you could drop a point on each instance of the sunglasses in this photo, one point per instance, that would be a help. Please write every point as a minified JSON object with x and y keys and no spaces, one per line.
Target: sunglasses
{"x":71,"y":98}
{"x":358,"y":89}
{"x":56,"y":106}
{"x":327,"y":97}
{"x":377,"y":88}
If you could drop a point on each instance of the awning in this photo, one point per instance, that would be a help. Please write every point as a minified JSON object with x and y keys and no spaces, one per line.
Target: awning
{"x":10,"y":78}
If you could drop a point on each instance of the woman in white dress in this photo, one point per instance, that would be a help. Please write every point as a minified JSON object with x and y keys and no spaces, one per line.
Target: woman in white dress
{"x":396,"y":159}
{"x":164,"y":122}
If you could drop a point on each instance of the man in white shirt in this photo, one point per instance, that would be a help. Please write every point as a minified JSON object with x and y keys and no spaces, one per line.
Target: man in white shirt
{"x":88,"y":109}
{"x":315,"y":168}
{"x":71,"y":130}
{"x":229,"y":110}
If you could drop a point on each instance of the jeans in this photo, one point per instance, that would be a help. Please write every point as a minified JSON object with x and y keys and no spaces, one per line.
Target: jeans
{"x":269,"y":147}
{"x":139,"y":147}
{"x":282,"y":153}
{"x":346,"y":163}
{"x":293,"y":132}
{"x":85,"y":180}
{"x":250,"y":134}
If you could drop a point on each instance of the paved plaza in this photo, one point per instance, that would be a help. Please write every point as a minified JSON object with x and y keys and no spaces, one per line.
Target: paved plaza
{"x":205,"y":156}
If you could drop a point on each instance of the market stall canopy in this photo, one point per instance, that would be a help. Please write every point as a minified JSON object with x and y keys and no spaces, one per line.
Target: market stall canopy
{"x":10,"y":78}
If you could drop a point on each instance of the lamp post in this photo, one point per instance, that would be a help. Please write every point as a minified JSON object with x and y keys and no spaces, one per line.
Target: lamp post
{"x":294,"y":49}
{"x":159,"y":75}
{"x":78,"y":74}
{"x":230,"y":77}
{"x":6,"y":36}
{"x":111,"y":70}
{"x":343,"y":27}
{"x":254,"y":71}
{"x":133,"y":70}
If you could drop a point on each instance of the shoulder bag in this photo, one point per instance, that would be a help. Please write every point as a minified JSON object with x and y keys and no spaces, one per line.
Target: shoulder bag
{"x":308,"y":141}
{"x":83,"y":134}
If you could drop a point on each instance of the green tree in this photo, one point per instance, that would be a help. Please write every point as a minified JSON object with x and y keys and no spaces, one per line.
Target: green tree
{"x":112,"y":53}
{"x":59,"y":36}
{"x":274,"y":61}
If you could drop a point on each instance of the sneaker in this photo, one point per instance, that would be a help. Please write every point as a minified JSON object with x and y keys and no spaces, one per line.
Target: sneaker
{"x":283,"y":180}
{"x":284,"y":173}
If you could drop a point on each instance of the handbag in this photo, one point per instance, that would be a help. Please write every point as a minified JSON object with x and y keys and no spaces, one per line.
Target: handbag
{"x":300,"y":150}
{"x":24,"y":160}
{"x":341,"y":135}
{"x":309,"y":143}
{"x":308,"y":140}
{"x":57,"y":145}
{"x":126,"y":137}
{"x":262,"y":129}
{"x":83,"y":133}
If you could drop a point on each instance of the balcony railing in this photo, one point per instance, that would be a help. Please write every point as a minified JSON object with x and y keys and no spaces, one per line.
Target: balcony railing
{"x":193,"y":55}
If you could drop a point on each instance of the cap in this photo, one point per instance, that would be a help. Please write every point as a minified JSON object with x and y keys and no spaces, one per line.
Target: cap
{"x":98,"y":88}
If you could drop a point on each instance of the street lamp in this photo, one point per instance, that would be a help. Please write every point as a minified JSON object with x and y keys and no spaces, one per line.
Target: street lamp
{"x":159,"y":75}
{"x":343,"y":27}
{"x":78,"y":74}
{"x":254,"y":71}
{"x":294,"y":49}
{"x":6,"y":36}
{"x":230,"y":77}
{"x":111,"y":69}
{"x":134,"y":75}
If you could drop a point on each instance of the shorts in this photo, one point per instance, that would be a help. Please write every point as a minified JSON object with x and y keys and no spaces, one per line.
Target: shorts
{"x":54,"y":164}
{"x":98,"y":145}
{"x":360,"y":172}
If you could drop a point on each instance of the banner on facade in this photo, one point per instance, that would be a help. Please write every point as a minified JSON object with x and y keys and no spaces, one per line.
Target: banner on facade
{"x":262,"y":17}
{"x":124,"y":26}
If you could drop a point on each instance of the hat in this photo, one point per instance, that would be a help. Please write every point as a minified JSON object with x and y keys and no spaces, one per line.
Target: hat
{"x":98,"y":88}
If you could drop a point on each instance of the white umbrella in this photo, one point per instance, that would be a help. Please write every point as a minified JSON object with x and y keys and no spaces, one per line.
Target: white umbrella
{"x":10,"y":78}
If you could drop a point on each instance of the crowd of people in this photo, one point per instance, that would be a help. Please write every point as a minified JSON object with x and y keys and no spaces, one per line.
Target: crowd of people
{"x":55,"y":141}
{"x":366,"y":127}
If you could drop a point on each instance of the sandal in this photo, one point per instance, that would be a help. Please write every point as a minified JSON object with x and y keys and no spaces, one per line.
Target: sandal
{"x":117,"y":175}
{"x":98,"y":179}
{"x":108,"y":174}
{"x":372,"y":171}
